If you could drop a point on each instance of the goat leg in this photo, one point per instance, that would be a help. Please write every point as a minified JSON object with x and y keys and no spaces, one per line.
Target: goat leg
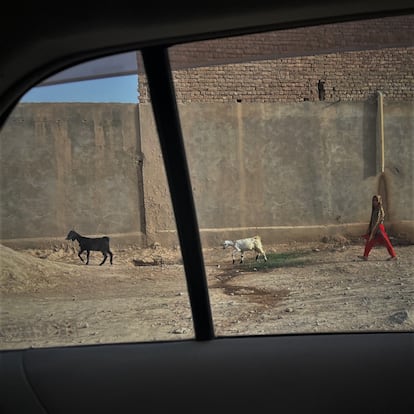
{"x":104,"y":259}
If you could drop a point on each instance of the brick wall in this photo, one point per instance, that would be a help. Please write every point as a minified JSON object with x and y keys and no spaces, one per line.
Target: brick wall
{"x":298,"y":65}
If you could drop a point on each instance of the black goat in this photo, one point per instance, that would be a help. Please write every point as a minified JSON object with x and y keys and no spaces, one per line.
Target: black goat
{"x":98,"y":244}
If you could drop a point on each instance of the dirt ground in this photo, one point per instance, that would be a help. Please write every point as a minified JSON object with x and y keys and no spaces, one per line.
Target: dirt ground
{"x":49,"y":297}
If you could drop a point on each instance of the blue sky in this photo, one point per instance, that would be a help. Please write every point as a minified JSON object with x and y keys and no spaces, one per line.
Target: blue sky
{"x":121,"y":89}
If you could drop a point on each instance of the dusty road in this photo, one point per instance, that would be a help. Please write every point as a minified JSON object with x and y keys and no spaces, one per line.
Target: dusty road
{"x":48,"y":297}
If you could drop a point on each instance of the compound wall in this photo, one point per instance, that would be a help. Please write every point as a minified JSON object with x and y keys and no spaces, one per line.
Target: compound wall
{"x":287,"y":171}
{"x":295,"y":171}
{"x":69,"y":166}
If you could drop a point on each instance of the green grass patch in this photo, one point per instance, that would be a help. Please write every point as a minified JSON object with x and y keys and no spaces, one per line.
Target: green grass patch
{"x":284,"y":259}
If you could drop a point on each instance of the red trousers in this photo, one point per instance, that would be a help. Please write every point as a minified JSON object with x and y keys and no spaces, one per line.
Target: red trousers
{"x":380,"y":238}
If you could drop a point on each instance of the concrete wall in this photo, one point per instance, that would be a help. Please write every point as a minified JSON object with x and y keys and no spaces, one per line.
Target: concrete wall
{"x":297,"y":171}
{"x":69,"y":166}
{"x":288,"y":171}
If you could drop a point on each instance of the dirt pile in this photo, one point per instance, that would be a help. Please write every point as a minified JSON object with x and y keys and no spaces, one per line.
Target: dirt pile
{"x":21,"y":272}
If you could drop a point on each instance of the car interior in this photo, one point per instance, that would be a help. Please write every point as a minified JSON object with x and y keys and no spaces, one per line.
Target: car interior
{"x":212,"y":366}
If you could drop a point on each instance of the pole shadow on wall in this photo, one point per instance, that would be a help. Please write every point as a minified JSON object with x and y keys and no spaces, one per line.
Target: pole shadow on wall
{"x":369,"y":140}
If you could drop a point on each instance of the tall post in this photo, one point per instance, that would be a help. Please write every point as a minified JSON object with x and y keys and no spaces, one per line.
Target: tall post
{"x":380,"y":133}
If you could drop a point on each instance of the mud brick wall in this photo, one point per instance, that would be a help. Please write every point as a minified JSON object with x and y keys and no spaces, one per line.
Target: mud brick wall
{"x":298,"y":65}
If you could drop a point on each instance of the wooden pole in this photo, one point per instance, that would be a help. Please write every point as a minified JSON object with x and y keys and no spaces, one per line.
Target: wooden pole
{"x":380,"y":133}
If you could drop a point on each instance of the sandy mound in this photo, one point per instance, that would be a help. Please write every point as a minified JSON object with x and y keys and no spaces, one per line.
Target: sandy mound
{"x":23,"y":272}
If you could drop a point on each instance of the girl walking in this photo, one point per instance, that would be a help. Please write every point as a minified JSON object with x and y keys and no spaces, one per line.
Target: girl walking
{"x":376,"y":231}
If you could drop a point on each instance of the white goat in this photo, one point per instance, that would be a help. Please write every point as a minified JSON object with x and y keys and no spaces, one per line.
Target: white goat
{"x":243,"y":245}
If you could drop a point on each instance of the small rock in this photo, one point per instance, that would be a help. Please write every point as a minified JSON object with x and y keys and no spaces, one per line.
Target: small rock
{"x":155,"y":245}
{"x":399,"y":317}
{"x":179,"y":331}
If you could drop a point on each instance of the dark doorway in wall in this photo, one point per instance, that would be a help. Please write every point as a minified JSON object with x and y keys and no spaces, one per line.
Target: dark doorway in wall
{"x":321,"y":90}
